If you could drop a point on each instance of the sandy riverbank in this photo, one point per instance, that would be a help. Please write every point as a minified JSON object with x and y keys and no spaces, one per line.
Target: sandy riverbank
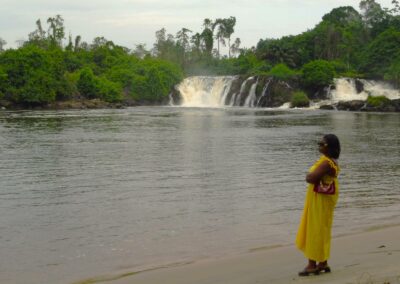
{"x":369,"y":257}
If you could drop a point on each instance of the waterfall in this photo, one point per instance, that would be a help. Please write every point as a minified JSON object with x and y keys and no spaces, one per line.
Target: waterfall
{"x":264,"y":92}
{"x":226,"y":92}
{"x":346,"y":90}
{"x":205,"y":91}
{"x":233,"y":98}
{"x":236,"y":101}
{"x":251,"y":98}
{"x":375,"y":88}
{"x":221,"y":91}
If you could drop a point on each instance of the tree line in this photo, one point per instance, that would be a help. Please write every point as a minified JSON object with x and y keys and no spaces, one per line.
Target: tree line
{"x":51,"y":67}
{"x":345,"y":43}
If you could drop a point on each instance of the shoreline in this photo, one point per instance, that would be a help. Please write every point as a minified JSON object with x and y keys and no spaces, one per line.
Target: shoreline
{"x":80,"y":104}
{"x":371,"y":256}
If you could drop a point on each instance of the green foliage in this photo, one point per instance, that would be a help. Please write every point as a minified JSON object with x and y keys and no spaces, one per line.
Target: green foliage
{"x":92,"y":87}
{"x":109,"y":91}
{"x":3,"y":82}
{"x":299,"y":99}
{"x":282,"y":72}
{"x":380,"y":53}
{"x":87,"y":84}
{"x":37,"y":90}
{"x":317,"y":73}
{"x":393,"y":72}
{"x":31,"y":77}
{"x":378,"y":101}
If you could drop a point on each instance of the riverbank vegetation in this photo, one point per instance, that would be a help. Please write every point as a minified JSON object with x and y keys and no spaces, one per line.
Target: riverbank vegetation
{"x":347,"y":42}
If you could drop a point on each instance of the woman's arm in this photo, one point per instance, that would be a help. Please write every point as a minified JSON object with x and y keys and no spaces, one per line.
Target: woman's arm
{"x":323,"y":169}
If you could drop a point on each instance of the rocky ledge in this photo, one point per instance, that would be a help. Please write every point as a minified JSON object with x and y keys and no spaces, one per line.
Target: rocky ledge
{"x":358,"y":105}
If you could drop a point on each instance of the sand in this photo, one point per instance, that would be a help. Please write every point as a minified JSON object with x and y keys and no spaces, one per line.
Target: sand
{"x":369,"y":257}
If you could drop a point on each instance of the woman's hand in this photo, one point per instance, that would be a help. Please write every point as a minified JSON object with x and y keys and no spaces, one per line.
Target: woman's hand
{"x":323,"y":169}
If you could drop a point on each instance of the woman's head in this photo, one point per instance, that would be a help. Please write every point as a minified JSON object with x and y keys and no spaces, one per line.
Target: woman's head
{"x":330,"y":146}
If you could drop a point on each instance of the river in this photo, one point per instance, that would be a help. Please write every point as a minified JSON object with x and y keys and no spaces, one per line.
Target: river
{"x":91,"y":193}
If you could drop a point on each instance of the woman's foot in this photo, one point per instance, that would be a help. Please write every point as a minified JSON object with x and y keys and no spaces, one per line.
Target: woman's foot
{"x":323,"y":267}
{"x":308,"y":270}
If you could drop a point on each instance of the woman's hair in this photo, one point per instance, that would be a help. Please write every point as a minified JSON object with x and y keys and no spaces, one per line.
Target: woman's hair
{"x":333,"y":145}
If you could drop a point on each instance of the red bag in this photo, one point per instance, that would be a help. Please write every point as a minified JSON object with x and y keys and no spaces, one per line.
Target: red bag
{"x":325,"y":189}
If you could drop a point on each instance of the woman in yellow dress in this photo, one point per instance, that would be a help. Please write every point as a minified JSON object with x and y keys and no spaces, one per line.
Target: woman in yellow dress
{"x":314,"y":234}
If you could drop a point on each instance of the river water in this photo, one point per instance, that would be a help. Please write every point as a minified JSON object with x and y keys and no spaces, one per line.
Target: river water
{"x":91,"y":193}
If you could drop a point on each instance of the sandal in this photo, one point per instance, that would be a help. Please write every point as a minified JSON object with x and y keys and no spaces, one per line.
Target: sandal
{"x":308,"y":271}
{"x":325,"y":269}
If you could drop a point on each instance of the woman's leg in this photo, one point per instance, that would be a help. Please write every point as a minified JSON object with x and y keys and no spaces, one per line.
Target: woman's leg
{"x":312,"y":264}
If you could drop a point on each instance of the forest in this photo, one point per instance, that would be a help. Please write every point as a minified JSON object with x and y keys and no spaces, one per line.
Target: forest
{"x":50,"y":67}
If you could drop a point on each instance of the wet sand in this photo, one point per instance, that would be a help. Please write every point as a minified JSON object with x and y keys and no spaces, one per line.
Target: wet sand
{"x":369,"y":257}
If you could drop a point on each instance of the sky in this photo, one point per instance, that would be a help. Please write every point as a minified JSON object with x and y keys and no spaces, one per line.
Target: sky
{"x":132,"y":22}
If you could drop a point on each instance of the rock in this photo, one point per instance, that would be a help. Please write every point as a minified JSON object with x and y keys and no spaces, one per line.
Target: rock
{"x":359,"y":85}
{"x":327,"y":107}
{"x":278,"y":93}
{"x":350,"y":105}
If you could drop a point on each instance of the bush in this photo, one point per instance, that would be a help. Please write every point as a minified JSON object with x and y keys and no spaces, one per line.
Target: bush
{"x":378,"y":101}
{"x":38,"y":90}
{"x":3,"y":82}
{"x":317,"y":74}
{"x":299,"y":99}
{"x":393,"y":73}
{"x":87,"y":85}
{"x":281,"y":72}
{"x":29,"y":73}
{"x":109,"y":91}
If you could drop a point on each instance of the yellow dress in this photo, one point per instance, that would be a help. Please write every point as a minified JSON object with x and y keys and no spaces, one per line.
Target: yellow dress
{"x":314,"y":234}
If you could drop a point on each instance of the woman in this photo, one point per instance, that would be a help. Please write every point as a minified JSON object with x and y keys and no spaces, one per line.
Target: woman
{"x":314,"y":234}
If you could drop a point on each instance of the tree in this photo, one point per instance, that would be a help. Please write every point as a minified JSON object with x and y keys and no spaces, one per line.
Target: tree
{"x":219,"y":26}
{"x":393,"y":72}
{"x":183,"y":42}
{"x":87,"y":84}
{"x":77,"y":43}
{"x":3,"y":82}
{"x":281,"y":72}
{"x":161,"y":38}
{"x":317,"y":74}
{"x":208,"y":36}
{"x":38,"y":36}
{"x":235,"y":47}
{"x":99,"y":42}
{"x":2,"y":44}
{"x":182,"y":38}
{"x":229,"y":30}
{"x":56,"y":31}
{"x":277,"y":51}
{"x":140,"y":50}
{"x":196,"y":45}
{"x":396,"y":8}
{"x":375,"y":19}
{"x":380,"y":53}
{"x":30,"y":74}
{"x":70,"y":45}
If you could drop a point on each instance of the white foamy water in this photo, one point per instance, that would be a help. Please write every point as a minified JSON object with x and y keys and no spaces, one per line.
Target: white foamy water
{"x":345,"y":90}
{"x":215,"y":92}
{"x":204,"y":91}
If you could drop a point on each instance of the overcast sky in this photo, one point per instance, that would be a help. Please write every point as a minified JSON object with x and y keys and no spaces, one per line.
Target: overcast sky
{"x":130,"y":22}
